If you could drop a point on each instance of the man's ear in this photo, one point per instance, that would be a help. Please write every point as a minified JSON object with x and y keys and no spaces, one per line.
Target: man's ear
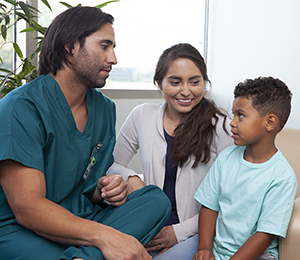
{"x":68,"y":50}
{"x":71,"y":49}
{"x":271,"y":122}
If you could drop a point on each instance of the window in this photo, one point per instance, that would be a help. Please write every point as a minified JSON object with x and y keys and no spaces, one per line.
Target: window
{"x":143,"y":30}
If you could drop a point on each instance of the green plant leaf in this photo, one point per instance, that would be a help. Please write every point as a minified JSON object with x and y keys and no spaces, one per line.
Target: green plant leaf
{"x":19,"y":81}
{"x":38,"y":27}
{"x":3,"y":82}
{"x":35,"y":53}
{"x":6,"y":90}
{"x":35,"y":27}
{"x":29,"y":29}
{"x":5,"y":71}
{"x":7,"y":18}
{"x":3,"y":32}
{"x":39,"y":37}
{"x":25,"y":10}
{"x":66,"y":4}
{"x":34,"y":11}
{"x":18,"y":50}
{"x":22,"y":16}
{"x":106,"y":3}
{"x":11,"y":2}
{"x":3,"y":7}
{"x":47,"y":4}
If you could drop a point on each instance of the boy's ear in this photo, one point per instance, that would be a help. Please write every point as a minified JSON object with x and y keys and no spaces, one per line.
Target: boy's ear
{"x":271,"y":122}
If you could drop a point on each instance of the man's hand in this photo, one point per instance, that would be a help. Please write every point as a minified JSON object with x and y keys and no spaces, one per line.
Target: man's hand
{"x":112,"y":188}
{"x":164,"y":240}
{"x":25,"y":191}
{"x":119,"y":246}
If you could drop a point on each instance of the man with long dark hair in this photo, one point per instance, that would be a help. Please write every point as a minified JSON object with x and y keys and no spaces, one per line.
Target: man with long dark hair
{"x":57,"y":136}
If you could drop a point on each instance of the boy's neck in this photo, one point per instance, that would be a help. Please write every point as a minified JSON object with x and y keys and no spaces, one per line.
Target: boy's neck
{"x":259,"y":154}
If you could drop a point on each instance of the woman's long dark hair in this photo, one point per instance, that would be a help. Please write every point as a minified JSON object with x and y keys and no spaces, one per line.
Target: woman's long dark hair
{"x":194,"y":135}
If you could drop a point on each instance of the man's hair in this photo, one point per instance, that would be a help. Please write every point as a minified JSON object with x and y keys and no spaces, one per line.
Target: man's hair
{"x":269,"y":96}
{"x":75,"y":23}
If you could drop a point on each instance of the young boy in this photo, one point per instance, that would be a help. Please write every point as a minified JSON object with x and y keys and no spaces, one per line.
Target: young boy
{"x":247,"y":196}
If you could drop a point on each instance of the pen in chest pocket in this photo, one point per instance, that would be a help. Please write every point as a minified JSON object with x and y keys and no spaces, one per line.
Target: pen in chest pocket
{"x":92,"y":160}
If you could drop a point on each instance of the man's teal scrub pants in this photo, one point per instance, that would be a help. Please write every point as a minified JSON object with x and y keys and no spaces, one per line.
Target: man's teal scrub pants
{"x":142,"y":216}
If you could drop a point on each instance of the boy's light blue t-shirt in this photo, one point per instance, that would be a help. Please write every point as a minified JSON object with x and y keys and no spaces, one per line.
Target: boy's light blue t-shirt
{"x":249,"y":198}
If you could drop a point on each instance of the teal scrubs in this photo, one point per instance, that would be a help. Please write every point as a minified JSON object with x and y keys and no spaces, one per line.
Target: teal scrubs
{"x":39,"y":131}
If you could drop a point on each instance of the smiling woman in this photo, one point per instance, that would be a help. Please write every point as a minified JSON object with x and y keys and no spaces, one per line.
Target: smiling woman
{"x":183,"y":88}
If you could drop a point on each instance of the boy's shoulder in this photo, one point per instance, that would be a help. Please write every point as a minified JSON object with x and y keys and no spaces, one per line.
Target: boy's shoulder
{"x":282,"y":167}
{"x":231,"y":151}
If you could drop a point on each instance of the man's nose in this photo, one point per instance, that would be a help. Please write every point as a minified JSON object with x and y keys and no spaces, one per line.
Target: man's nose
{"x":112,"y":59}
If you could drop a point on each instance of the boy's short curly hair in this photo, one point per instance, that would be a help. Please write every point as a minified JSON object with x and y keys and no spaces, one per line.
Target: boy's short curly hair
{"x":269,"y":96}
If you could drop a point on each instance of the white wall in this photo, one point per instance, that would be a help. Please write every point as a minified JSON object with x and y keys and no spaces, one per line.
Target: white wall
{"x":251,"y":38}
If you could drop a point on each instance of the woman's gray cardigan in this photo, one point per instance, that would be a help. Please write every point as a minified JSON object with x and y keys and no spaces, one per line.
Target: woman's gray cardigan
{"x":143,"y":130}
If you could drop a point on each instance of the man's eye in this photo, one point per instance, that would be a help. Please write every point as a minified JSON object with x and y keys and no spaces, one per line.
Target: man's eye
{"x":104,"y":46}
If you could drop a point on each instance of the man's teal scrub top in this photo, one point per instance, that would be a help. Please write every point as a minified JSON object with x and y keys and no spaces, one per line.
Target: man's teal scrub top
{"x":38,"y":130}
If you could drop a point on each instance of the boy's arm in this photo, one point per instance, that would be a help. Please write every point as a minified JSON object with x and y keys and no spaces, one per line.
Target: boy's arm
{"x":254,"y":247}
{"x":206,"y":233}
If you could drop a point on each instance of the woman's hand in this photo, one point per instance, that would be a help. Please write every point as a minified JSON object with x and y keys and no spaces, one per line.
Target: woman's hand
{"x":134,"y":183}
{"x":164,"y":240}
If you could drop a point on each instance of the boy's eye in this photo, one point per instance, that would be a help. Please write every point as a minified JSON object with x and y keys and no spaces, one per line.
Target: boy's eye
{"x":240,"y":115}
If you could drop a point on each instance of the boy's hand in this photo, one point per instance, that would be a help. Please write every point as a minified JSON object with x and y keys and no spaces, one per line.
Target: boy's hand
{"x":204,"y":254}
